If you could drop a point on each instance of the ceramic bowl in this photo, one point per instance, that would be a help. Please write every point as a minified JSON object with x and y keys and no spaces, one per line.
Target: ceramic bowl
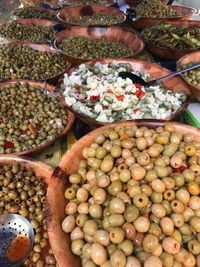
{"x":190,"y":58}
{"x":60,"y":241}
{"x":175,"y":84}
{"x":50,"y":88}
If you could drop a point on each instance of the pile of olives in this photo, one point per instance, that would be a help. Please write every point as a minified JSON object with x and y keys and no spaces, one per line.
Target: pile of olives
{"x":134,"y":200}
{"x":86,"y":48}
{"x":29,"y":118}
{"x":192,"y":76}
{"x":23,"y":62}
{"x":38,"y":3}
{"x":154,"y":9}
{"x":29,"y":12}
{"x":24,"y":193}
{"x":98,"y":19}
{"x":87,"y":2}
{"x":36,"y":34}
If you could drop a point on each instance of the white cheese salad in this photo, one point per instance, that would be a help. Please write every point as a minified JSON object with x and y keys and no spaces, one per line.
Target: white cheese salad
{"x":97,"y":91}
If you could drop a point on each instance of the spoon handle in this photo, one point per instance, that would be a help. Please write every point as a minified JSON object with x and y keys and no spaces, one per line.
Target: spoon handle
{"x":193,"y":66}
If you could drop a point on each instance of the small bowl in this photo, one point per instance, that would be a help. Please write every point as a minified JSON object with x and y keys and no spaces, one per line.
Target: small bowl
{"x":33,"y":22}
{"x":74,"y":3}
{"x":43,"y":48}
{"x":184,"y":13}
{"x":192,"y":57}
{"x":60,"y":241}
{"x":113,"y":33}
{"x":75,"y":12}
{"x":175,"y":84}
{"x":167,"y":53}
{"x":51,"y":11}
{"x":50,"y":88}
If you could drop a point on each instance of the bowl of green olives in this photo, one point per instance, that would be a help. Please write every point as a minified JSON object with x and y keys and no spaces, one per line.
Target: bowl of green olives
{"x":32,"y":117}
{"x":153,"y":12}
{"x":24,"y":183}
{"x":172,"y":40}
{"x":79,"y":44}
{"x":34,"y":12}
{"x":91,"y":15}
{"x":32,"y":30}
{"x":26,"y":60}
{"x":130,"y":198}
{"x":192,"y":78}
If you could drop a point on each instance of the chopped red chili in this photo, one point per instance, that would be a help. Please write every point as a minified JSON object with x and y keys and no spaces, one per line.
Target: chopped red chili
{"x":8,"y":144}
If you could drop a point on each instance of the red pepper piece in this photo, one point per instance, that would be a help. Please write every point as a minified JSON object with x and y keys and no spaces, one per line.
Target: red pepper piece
{"x":138,"y":86}
{"x":31,"y":129}
{"x":22,"y":132}
{"x":181,"y":168}
{"x":77,"y":86}
{"x":139,"y":93}
{"x":27,"y":117}
{"x":94,"y":98}
{"x":109,"y":91}
{"x":8,"y":144}
{"x":120,"y":97}
{"x":136,"y":110}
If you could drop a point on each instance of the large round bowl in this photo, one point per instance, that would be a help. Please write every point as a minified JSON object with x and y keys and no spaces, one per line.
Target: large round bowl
{"x":51,"y":89}
{"x":175,"y":84}
{"x":75,"y":12}
{"x":184,"y":13}
{"x":74,"y":3}
{"x":33,"y":22}
{"x":43,"y":48}
{"x":113,"y":33}
{"x":167,"y":53}
{"x":190,"y":58}
{"x":60,"y":241}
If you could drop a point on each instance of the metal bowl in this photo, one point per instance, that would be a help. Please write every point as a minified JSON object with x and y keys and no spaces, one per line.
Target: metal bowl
{"x":167,"y":53}
{"x":74,"y":12}
{"x":190,"y":58}
{"x":113,"y":33}
{"x":175,"y":84}
{"x":50,"y":88}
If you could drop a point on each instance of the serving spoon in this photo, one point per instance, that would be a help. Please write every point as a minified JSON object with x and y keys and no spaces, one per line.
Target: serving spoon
{"x":138,"y":80}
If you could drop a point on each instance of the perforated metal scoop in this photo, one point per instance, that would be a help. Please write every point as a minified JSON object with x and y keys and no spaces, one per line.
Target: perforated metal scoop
{"x":16,"y":239}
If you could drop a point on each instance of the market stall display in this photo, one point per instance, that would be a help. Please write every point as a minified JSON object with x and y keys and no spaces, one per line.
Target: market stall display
{"x":91,"y":15}
{"x":172,"y":39}
{"x":98,"y":96}
{"x":115,"y":207}
{"x":80,"y":44}
{"x":191,"y":77}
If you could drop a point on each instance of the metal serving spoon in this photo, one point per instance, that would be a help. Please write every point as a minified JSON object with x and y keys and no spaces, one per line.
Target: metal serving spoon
{"x":16,"y":239}
{"x":137,"y":79}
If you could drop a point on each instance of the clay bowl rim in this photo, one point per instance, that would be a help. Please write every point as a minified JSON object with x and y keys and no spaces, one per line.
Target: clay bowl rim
{"x":70,"y":116}
{"x":119,"y":12}
{"x":61,"y":174}
{"x":172,"y":22}
{"x":179,"y":64}
{"x":50,"y":10}
{"x":191,"y":11}
{"x":132,"y":32}
{"x":36,"y":22}
{"x":49,"y":49}
{"x":111,"y":3}
{"x":93,"y":122}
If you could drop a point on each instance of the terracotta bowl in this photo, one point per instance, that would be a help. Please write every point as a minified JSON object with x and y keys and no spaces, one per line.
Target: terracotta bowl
{"x":192,"y":57}
{"x":75,"y":12}
{"x":175,"y":84}
{"x":113,"y":33}
{"x":185,"y":13}
{"x":51,"y":11}
{"x":74,"y":3}
{"x":50,"y":88}
{"x":43,"y":48}
{"x":60,"y":241}
{"x":167,"y":53}
{"x":33,"y":22}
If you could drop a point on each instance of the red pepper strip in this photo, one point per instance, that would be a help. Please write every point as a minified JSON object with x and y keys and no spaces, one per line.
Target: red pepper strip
{"x":109,"y":91}
{"x":138,"y":86}
{"x":136,"y":110}
{"x":31,"y":129}
{"x":94,"y":98}
{"x":8,"y":144}
{"x":139,"y":93}
{"x":120,"y":97}
{"x":181,"y":168}
{"x":77,"y":86}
